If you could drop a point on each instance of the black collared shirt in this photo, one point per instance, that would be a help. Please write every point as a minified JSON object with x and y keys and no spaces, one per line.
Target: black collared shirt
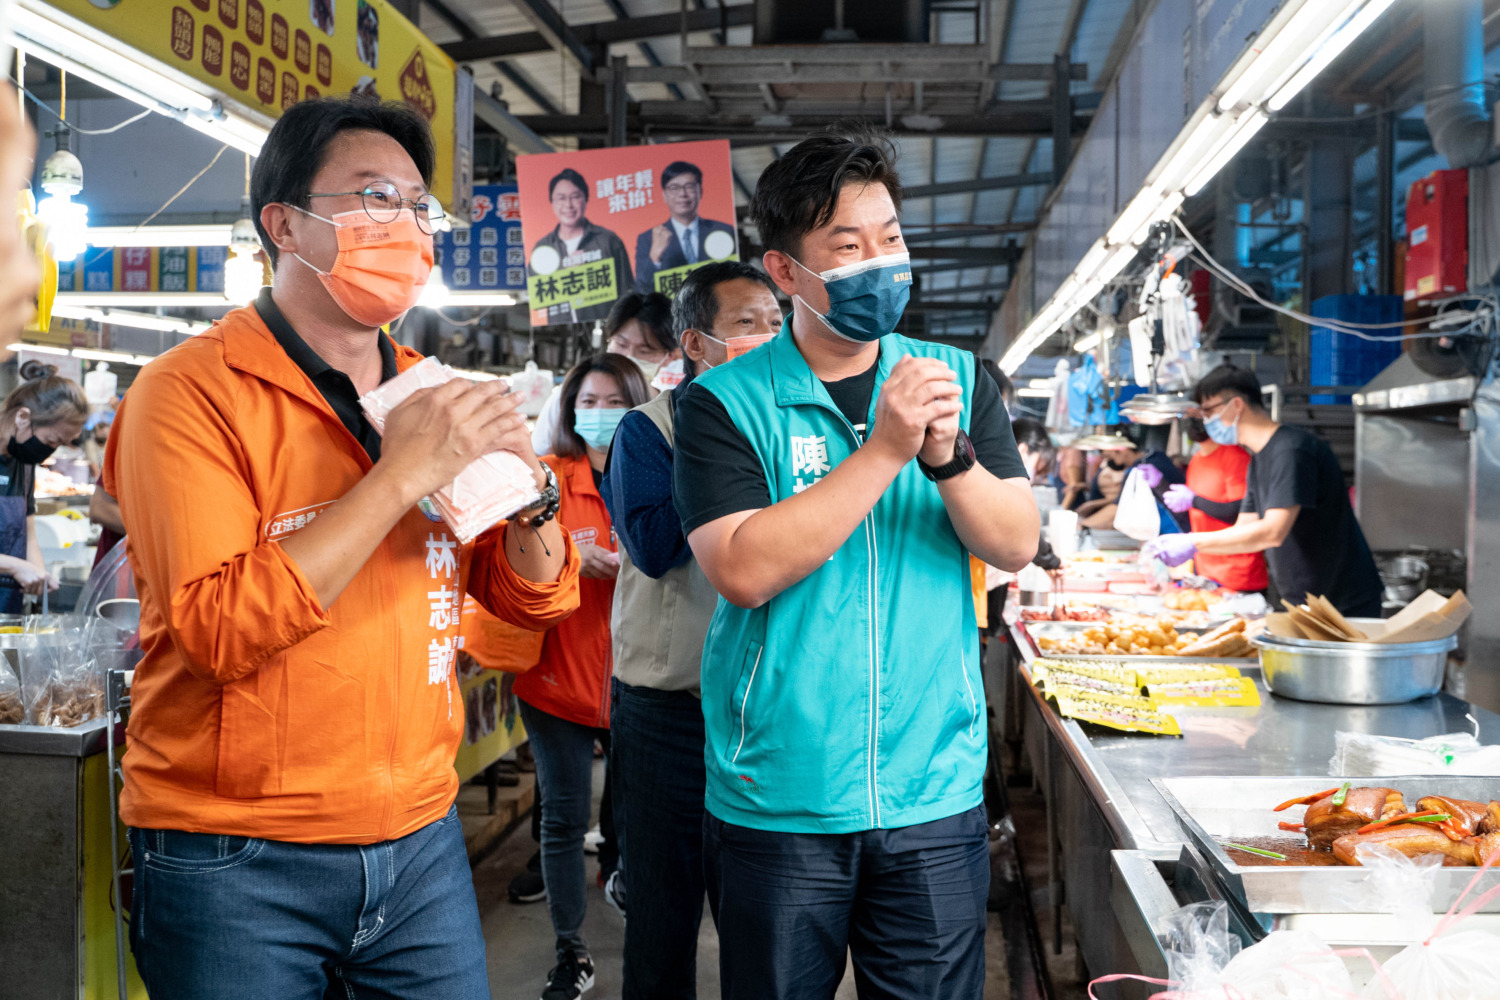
{"x":335,"y":386}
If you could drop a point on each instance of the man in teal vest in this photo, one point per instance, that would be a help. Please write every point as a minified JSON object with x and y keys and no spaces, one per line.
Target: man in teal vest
{"x":832,"y":484}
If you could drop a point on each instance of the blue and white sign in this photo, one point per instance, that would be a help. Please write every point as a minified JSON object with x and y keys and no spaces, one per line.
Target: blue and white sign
{"x":488,"y":256}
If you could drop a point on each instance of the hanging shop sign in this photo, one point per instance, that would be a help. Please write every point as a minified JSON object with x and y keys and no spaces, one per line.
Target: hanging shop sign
{"x":144,"y":269}
{"x":600,"y":223}
{"x":489,"y":256}
{"x":266,"y":55}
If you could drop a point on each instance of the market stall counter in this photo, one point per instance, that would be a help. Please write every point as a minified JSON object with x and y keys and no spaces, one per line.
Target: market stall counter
{"x":1101,"y":799}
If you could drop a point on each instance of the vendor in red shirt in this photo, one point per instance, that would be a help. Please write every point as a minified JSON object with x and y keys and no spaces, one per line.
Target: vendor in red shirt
{"x":1211,"y":498}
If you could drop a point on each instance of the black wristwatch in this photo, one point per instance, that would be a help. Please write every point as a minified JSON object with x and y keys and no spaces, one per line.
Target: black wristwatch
{"x":548,"y":502}
{"x":963,"y":460}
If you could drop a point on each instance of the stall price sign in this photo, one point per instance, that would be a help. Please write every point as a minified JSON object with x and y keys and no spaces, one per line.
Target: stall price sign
{"x":144,"y":269}
{"x":600,"y":223}
{"x":266,"y":55}
{"x":489,"y":256}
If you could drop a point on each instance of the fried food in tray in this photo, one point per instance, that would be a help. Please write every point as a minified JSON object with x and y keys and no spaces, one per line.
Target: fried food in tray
{"x":1141,"y":636}
{"x":1342,"y":820}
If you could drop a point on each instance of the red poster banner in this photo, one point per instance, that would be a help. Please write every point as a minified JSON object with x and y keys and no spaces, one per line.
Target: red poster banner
{"x":601,"y":223}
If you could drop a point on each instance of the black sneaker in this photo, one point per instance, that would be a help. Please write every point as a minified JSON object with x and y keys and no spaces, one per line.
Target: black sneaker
{"x":571,"y":978}
{"x":528,"y":886}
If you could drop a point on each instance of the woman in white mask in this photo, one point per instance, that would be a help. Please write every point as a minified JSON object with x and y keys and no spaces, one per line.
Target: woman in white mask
{"x":640,"y":328}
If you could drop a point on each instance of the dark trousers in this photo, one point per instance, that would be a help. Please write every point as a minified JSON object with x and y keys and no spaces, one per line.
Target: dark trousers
{"x":907,"y":904}
{"x":657,"y":763}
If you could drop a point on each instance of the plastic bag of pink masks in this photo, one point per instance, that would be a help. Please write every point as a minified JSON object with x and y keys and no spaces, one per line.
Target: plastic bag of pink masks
{"x":491,"y":489}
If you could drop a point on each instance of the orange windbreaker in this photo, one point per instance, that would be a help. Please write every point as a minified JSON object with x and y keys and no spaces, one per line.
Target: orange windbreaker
{"x":572,"y":679}
{"x":257,"y":712}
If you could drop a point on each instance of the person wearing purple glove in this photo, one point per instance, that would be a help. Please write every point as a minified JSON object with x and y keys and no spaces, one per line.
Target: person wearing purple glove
{"x":1148,"y":455}
{"x":1173,"y":550}
{"x":1295,"y":508}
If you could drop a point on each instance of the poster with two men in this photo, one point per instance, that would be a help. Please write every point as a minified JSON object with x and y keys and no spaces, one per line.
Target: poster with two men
{"x":601,"y":223}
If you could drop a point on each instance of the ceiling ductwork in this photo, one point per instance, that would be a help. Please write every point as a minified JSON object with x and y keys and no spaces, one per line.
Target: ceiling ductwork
{"x":1457,"y":116}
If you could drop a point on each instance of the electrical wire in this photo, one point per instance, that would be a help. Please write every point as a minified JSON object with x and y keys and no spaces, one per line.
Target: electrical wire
{"x":464,"y":322}
{"x":179,"y":193}
{"x":74,"y":128}
{"x":1482,"y":320}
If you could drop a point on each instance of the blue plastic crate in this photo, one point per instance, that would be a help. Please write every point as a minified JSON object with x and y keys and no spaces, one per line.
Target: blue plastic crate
{"x":1344,"y":359}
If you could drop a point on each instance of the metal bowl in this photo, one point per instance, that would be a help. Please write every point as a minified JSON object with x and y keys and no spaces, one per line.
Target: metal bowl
{"x":1353,"y":673}
{"x":1364,"y":624}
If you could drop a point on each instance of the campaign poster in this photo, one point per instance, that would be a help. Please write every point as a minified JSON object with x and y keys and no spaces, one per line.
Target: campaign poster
{"x":600,"y":223}
{"x":489,"y":256}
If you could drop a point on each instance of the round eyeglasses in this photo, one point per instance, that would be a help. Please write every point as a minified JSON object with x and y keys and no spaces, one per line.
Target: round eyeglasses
{"x":383,"y":203}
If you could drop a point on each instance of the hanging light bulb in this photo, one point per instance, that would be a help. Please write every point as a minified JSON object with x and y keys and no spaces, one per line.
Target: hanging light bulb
{"x":67,"y":220}
{"x":243,"y":274}
{"x":435,"y":294}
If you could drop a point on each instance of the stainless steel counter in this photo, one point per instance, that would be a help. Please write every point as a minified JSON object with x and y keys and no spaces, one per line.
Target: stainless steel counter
{"x":1100,"y":796}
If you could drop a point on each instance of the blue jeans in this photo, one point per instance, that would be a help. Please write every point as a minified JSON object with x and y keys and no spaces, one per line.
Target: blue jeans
{"x":907,"y":904}
{"x":564,"y":753}
{"x":657,"y":762}
{"x":240,"y":918}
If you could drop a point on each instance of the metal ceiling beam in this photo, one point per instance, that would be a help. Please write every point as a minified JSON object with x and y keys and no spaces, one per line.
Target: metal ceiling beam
{"x":920,"y":267}
{"x":634,"y":29}
{"x":977,"y":184}
{"x":960,"y":231}
{"x":523,"y":82}
{"x":695,"y":118}
{"x":975,"y":256}
{"x":559,"y":34}
{"x":516,"y":76}
{"x":517,"y":136}
{"x":808,"y":69}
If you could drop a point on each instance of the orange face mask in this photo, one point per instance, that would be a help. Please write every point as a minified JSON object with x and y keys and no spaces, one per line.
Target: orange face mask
{"x":381,"y":267}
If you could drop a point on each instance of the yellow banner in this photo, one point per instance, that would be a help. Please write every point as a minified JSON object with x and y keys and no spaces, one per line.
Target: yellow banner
{"x":269,"y":54}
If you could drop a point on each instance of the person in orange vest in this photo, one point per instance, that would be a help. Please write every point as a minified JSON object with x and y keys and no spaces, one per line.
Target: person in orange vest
{"x":565,"y":698}
{"x":289,"y":783}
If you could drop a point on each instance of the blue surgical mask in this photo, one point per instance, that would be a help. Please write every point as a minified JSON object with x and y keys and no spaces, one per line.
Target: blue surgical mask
{"x":597,"y":427}
{"x":865,"y":300}
{"x":1221,"y":433}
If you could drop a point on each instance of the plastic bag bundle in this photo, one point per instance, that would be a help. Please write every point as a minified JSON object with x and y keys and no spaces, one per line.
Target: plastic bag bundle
{"x":1444,"y":961}
{"x":1137,"y":515}
{"x":491,"y":489}
{"x":1205,"y":962}
{"x":1451,"y":753}
{"x":12,"y":710}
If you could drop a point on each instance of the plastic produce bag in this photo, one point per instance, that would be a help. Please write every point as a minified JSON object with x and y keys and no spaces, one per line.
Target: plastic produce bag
{"x":1444,"y":961}
{"x":60,"y":683}
{"x":533,"y":385}
{"x":1451,"y":753}
{"x":491,"y":489}
{"x":1137,"y":515}
{"x":12,"y":711}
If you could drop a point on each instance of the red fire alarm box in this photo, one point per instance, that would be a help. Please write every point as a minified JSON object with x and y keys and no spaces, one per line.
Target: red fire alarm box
{"x":1437,"y":231}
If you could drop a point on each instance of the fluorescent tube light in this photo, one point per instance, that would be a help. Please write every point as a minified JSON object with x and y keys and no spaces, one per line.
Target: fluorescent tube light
{"x":169,"y":299}
{"x":1328,"y":52}
{"x":1245,"y":130}
{"x":1035,"y":393}
{"x":478,"y":299}
{"x":215,"y":235}
{"x":112,"y":357}
{"x":38,"y":349}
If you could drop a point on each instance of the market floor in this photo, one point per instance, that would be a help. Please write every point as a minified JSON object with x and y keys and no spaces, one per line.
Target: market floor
{"x":519,"y":942}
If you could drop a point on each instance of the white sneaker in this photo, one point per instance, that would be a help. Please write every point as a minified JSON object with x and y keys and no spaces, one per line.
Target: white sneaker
{"x":614,"y":893}
{"x":592,"y":840}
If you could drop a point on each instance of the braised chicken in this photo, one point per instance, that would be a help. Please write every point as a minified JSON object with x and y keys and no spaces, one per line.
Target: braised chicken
{"x":1326,"y":822}
{"x":1491,"y":821}
{"x":1413,"y":840}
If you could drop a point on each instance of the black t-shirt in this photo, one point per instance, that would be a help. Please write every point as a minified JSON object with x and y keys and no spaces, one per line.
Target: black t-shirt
{"x":17,"y":479}
{"x":715,"y":471}
{"x":1326,"y":551}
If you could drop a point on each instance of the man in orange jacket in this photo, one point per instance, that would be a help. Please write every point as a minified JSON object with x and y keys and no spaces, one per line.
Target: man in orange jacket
{"x":288,"y":783}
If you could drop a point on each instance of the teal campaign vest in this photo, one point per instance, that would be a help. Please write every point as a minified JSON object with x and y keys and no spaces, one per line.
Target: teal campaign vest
{"x":853,"y":699}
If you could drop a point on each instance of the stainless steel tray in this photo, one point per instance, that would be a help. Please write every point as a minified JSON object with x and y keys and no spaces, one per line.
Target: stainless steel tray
{"x":1211,"y":810}
{"x":1067,"y":630}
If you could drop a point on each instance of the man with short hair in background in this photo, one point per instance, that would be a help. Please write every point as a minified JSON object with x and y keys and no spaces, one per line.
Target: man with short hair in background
{"x":663,"y":603}
{"x":685,"y":238}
